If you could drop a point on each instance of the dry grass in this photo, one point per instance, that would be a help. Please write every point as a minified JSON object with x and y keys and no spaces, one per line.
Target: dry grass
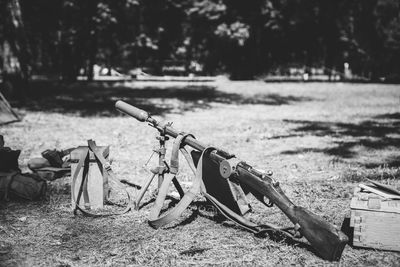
{"x":319,"y":139}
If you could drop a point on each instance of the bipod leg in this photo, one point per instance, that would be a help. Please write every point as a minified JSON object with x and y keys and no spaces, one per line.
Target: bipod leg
{"x":178,"y":187}
{"x":161,"y":155}
{"x":143,"y":191}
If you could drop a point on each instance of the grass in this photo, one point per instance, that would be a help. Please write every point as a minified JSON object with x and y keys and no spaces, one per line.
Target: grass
{"x":320,"y":140}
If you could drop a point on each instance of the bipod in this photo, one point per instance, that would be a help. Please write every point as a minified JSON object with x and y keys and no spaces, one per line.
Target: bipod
{"x":160,"y":171}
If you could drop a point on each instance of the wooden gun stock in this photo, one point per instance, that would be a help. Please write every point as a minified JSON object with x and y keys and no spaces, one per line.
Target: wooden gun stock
{"x":326,"y":239}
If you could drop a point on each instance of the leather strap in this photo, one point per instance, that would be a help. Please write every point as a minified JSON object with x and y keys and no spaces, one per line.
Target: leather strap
{"x":198,"y":187}
{"x":258,"y":229}
{"x":79,"y":166}
{"x":174,"y":165}
{"x":156,"y":221}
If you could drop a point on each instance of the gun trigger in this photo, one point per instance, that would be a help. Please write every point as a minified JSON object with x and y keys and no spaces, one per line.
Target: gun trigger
{"x":265,"y":200}
{"x":297,"y":233}
{"x":269,"y":204}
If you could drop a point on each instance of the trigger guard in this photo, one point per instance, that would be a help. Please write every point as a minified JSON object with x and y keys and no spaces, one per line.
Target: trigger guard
{"x":269,"y":204}
{"x":261,"y":198}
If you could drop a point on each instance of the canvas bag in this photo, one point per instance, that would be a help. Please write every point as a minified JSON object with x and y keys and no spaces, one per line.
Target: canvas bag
{"x":8,"y":159}
{"x":15,"y":185}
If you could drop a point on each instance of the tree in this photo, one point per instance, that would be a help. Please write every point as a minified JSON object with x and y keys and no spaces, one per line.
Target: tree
{"x":14,"y":36}
{"x":239,"y":38}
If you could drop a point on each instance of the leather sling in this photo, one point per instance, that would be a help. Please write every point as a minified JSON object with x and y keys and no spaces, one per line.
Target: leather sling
{"x":155,"y":220}
{"x":198,"y":187}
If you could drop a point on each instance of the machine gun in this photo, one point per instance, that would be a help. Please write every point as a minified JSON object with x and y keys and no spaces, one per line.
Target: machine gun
{"x":327,"y":240}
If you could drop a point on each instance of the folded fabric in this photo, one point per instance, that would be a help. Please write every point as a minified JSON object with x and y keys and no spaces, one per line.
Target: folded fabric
{"x":54,"y":164}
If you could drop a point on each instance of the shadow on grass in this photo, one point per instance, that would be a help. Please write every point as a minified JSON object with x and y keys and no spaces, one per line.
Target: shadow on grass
{"x":98,"y":99}
{"x":380,"y":132}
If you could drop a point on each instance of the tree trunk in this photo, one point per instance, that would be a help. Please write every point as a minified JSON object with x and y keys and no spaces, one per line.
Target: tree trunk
{"x":15,"y":35}
{"x":91,"y":39}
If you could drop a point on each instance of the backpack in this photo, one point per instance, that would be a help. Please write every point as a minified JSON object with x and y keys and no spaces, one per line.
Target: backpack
{"x":17,"y":185}
{"x":13,"y":183}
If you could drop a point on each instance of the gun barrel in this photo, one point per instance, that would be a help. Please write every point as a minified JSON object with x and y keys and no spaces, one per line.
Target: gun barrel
{"x":135,"y":112}
{"x":143,"y":116}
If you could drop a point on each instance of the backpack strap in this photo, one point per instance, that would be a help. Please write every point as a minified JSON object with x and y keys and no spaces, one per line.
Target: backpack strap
{"x":81,"y":163}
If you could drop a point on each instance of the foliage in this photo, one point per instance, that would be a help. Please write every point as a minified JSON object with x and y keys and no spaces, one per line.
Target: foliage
{"x":237,"y":31}
{"x":243,"y":38}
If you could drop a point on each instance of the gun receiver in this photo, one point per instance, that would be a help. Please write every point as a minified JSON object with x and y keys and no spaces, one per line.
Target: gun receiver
{"x":327,"y":240}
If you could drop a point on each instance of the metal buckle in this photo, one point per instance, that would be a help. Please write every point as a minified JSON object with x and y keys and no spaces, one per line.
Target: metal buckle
{"x":107,"y":166}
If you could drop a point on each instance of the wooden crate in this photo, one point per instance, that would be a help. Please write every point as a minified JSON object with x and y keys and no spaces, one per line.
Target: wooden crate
{"x":97,"y":182}
{"x":376,"y":221}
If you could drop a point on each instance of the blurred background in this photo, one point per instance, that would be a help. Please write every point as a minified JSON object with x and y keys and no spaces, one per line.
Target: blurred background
{"x":71,"y":39}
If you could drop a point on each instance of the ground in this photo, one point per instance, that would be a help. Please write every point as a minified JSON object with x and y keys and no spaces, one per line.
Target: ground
{"x":319,"y":139}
